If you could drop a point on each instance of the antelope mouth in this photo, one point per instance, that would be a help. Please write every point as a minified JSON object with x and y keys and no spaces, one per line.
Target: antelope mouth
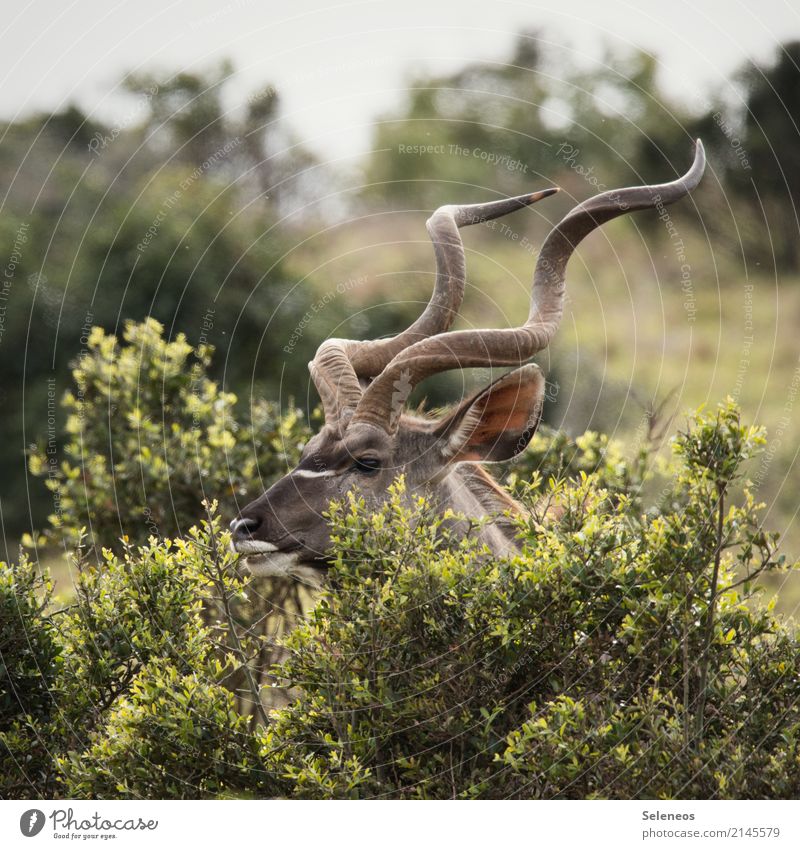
{"x":266,"y":560}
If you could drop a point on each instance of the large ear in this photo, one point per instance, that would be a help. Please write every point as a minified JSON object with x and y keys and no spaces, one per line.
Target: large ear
{"x":497,"y":423}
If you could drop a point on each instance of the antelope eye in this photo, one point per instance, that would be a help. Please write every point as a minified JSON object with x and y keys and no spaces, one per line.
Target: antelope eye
{"x":366,"y":465}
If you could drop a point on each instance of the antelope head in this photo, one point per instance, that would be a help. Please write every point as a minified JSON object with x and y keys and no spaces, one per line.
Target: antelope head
{"x":368,"y":439}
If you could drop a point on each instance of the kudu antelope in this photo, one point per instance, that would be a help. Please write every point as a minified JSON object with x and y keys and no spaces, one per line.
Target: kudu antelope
{"x":367,"y":439}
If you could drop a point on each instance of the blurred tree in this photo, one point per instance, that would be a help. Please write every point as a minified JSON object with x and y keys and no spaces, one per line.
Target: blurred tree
{"x":185,"y":111}
{"x":765,"y":167}
{"x":186,"y":118}
{"x":538,"y":115}
{"x":158,"y":215}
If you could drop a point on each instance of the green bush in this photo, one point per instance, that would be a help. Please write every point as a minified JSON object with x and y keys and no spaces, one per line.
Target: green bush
{"x":30,"y":651}
{"x":128,"y":691}
{"x":170,"y":736}
{"x":617,"y":656}
{"x":30,"y":664}
{"x":151,"y":436}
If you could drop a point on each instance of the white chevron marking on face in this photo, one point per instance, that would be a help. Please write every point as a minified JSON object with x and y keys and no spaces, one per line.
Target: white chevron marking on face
{"x":309,"y":473}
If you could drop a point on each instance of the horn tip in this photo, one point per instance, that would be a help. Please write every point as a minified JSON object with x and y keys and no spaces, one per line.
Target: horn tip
{"x":698,"y":166}
{"x":699,"y":149}
{"x":543,"y":193}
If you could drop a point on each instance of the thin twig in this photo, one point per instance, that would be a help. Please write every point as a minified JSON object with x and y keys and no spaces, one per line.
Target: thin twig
{"x":712,"y":603}
{"x":224,"y":598}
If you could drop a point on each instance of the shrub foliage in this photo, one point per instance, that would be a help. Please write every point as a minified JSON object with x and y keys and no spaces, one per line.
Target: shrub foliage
{"x":620,"y":654}
{"x":150,"y":435}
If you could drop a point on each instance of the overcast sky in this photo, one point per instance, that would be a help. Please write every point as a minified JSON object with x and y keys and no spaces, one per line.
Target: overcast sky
{"x":339,"y":64}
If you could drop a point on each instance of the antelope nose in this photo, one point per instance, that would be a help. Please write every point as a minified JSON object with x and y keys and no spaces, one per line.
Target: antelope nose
{"x":243,"y":528}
